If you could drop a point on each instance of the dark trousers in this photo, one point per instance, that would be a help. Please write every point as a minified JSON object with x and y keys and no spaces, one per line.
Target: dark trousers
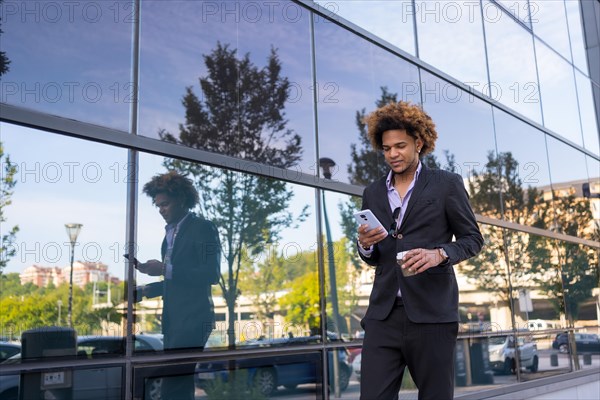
{"x":395,"y":343}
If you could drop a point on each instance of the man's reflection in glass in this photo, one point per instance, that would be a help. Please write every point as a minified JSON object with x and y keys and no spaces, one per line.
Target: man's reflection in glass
{"x":190,"y":265}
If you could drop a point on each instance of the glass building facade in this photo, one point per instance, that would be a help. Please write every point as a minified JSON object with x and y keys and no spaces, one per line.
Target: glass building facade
{"x":259,"y":104}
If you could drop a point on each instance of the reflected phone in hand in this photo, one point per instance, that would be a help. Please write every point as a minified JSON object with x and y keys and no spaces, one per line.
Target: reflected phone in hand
{"x":135,"y":260}
{"x":366,"y":217}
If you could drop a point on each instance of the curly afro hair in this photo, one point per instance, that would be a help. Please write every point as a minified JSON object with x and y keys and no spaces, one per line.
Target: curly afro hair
{"x":401,"y":115}
{"x":175,"y":186}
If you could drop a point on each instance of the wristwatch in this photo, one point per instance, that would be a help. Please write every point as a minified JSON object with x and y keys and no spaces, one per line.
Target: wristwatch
{"x":443,"y":253}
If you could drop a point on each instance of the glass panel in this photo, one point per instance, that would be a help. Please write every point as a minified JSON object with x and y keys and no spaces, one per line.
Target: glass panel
{"x":562,"y":177}
{"x":518,"y":8}
{"x":85,"y":59}
{"x":343,"y":383}
{"x":587,"y":113}
{"x":459,"y":118}
{"x":77,"y":383}
{"x":77,"y":182}
{"x":594,"y":189}
{"x":576,"y":35}
{"x":549,"y":23}
{"x":359,"y":76}
{"x":524,"y":164}
{"x":512,"y":65}
{"x":391,"y":21}
{"x":211,"y":79}
{"x":485,"y":307}
{"x":298,"y":375}
{"x":343,"y":267}
{"x":559,"y":99}
{"x":450,"y":38}
{"x":267,"y":257}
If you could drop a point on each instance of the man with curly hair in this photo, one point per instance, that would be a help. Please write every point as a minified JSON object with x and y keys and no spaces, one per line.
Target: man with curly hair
{"x":190,"y":263}
{"x":412,"y":318}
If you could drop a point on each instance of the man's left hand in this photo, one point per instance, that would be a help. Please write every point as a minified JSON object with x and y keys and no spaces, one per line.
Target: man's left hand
{"x":420,"y":260}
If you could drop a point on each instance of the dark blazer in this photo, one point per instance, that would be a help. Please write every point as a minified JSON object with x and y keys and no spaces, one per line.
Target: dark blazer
{"x":188,"y":310}
{"x":438,"y":210}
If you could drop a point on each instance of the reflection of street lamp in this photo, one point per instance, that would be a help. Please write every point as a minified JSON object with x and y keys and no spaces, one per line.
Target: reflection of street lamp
{"x":59,"y":303}
{"x":73,"y":232}
{"x":327,"y":164}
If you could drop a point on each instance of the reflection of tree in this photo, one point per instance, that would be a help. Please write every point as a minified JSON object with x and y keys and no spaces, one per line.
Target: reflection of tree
{"x":7,"y":183}
{"x":500,"y":175}
{"x":28,"y":306}
{"x":577,"y":272}
{"x":241,"y":115}
{"x":512,"y":259}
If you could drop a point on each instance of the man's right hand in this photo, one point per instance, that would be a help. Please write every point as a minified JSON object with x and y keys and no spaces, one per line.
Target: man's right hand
{"x":152,"y":268}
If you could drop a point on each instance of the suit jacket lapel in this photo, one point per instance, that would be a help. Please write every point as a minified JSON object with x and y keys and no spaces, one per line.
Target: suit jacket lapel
{"x":422,"y":182}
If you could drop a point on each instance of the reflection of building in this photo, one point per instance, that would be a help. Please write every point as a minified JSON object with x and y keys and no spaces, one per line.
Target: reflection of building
{"x":83,"y":273}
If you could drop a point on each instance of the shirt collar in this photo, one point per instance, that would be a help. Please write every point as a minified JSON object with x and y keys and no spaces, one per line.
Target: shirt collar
{"x":388,"y":180}
{"x":174,"y":225}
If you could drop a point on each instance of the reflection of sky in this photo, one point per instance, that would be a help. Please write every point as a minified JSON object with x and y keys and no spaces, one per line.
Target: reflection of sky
{"x":588,"y":114}
{"x":464,"y":125}
{"x":576,"y":35}
{"x":549,"y":22}
{"x":559,"y":100}
{"x":62,"y":180}
{"x":451,"y":39}
{"x":391,"y":21}
{"x":527,"y":146}
{"x":566,"y":163}
{"x":512,"y":66}
{"x":357,"y":69}
{"x":518,"y":8}
{"x":174,"y":40}
{"x":85,"y":182}
{"x":69,"y":58}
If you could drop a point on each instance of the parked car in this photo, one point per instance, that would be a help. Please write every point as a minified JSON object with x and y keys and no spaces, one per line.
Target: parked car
{"x":98,"y":382}
{"x":266,"y":374}
{"x":502,"y":353}
{"x":8,"y":350}
{"x":585,"y":343}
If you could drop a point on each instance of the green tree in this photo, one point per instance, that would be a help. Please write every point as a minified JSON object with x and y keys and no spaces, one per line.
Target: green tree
{"x":508,"y":256}
{"x":301,"y":303}
{"x":573,"y":273}
{"x":7,"y":184}
{"x":241,"y":114}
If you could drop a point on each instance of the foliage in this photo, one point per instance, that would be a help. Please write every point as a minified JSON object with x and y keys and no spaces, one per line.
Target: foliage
{"x":7,"y":183}
{"x":28,"y":307}
{"x":240,"y":115}
{"x":301,"y":303}
{"x":4,"y":61}
{"x":530,"y":261}
{"x":236,"y":387}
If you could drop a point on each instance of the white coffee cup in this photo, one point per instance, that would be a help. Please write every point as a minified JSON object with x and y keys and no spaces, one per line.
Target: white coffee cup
{"x":400,"y":261}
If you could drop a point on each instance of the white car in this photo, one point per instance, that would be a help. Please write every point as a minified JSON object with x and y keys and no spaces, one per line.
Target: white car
{"x":356,"y":366}
{"x":502,"y":353}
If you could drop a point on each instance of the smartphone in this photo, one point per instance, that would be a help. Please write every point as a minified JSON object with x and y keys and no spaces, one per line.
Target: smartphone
{"x":366,"y":217}
{"x":135,"y":260}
